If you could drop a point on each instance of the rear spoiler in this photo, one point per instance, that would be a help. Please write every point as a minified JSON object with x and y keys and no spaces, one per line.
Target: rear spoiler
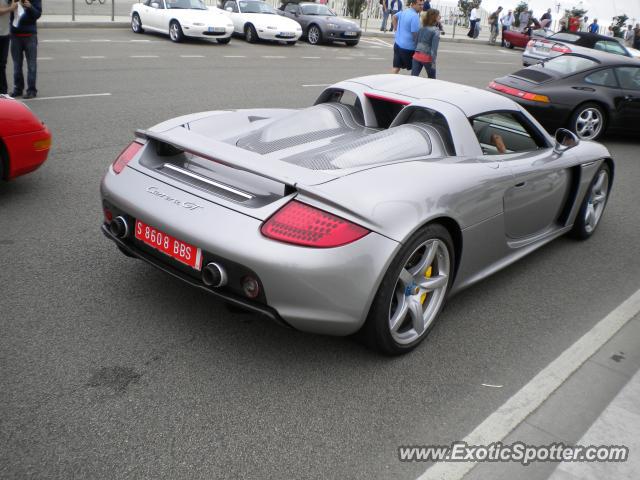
{"x":237,"y":158}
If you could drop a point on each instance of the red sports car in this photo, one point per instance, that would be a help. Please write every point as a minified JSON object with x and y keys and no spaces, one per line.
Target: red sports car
{"x":24,"y":140}
{"x":514,"y":38}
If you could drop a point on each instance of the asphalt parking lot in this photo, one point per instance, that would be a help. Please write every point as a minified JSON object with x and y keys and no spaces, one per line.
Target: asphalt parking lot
{"x":110,"y":369}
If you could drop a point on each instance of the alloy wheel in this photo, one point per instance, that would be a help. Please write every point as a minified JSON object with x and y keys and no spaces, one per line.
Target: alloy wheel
{"x":589,"y":123}
{"x":597,"y":201}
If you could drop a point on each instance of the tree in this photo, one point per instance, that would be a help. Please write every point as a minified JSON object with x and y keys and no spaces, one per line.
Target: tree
{"x":576,"y":12}
{"x":356,"y":7}
{"x":521,"y":7}
{"x":466,"y":6}
{"x":618,"y":25}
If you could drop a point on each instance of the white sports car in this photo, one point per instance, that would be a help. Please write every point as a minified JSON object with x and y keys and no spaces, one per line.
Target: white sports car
{"x":181,"y":18}
{"x":257,"y":20}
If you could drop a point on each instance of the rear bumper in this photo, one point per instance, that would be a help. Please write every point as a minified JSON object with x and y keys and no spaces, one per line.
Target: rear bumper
{"x":326,"y":291}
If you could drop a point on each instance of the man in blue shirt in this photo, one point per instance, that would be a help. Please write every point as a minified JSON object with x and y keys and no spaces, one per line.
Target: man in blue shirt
{"x":594,"y":27}
{"x":406,"y":24}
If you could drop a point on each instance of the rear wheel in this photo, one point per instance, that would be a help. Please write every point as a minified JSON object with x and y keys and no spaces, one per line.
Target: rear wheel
{"x":412,"y":292}
{"x":223,"y":41}
{"x":250,"y":33}
{"x":593,"y":205}
{"x":314,"y":35}
{"x":136,"y":24}
{"x":175,"y":32}
{"x":588,"y":121}
{"x":508,"y":44}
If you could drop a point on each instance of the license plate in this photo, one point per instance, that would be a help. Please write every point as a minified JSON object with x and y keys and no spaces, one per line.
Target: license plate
{"x":350,"y":34}
{"x":287,"y":34}
{"x":177,"y":249}
{"x":217,"y":29}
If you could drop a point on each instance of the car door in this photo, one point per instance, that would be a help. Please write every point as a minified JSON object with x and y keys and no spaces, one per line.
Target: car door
{"x":534,"y":200}
{"x":603,"y":84}
{"x":232,"y":11}
{"x":629,"y":79}
{"x":156,"y":12}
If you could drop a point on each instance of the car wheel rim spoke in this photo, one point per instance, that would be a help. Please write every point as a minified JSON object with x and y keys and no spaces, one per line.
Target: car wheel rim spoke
{"x":420,"y":291}
{"x":596,"y":202}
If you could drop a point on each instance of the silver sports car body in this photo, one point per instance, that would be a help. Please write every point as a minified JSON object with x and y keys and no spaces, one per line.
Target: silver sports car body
{"x":361,"y":213}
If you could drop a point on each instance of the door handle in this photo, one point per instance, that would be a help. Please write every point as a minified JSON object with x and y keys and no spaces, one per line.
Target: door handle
{"x":521,"y":184}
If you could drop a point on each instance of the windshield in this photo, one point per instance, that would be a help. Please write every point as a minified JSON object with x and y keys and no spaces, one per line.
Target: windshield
{"x":565,"y":37}
{"x":318,"y":9}
{"x":256,"y":6}
{"x":569,"y":64}
{"x":187,"y":4}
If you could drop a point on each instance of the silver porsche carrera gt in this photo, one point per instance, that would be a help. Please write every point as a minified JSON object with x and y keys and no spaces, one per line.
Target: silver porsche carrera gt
{"x":361,"y":213}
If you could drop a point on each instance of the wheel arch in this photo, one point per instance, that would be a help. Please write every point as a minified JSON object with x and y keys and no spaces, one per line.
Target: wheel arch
{"x":4,"y":161}
{"x":606,"y":109}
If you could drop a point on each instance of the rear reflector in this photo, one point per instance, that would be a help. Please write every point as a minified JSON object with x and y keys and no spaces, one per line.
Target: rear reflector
{"x":301,"y":224}
{"x":125,"y":157}
{"x":519,"y":93}
{"x":561,"y":49}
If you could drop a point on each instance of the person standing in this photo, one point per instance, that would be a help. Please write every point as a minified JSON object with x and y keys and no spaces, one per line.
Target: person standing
{"x":6,"y":7}
{"x":494,"y":20}
{"x":406,"y":24}
{"x":506,"y":21}
{"x":427,"y":43}
{"x":524,"y":20}
{"x":593,"y":26}
{"x":474,"y":18}
{"x":545,"y":19}
{"x":385,"y":14}
{"x":574,"y":23}
{"x":395,"y":7}
{"x":629,"y":36}
{"x":24,"y":44}
{"x":636,"y":37}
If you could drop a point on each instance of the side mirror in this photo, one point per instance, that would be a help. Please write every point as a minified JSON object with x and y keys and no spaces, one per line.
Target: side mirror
{"x":155,"y":5}
{"x":229,"y":9}
{"x":565,"y":139}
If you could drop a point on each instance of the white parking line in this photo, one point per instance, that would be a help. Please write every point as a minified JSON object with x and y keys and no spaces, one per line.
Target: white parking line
{"x":143,"y":56}
{"x":141,"y":40}
{"x":273,"y":56}
{"x":515,"y":410}
{"x":191,"y":56}
{"x":100,"y":40}
{"x":313,"y":58}
{"x":317,"y":85}
{"x":92,"y":57}
{"x":69,"y":96}
{"x":59,"y":40}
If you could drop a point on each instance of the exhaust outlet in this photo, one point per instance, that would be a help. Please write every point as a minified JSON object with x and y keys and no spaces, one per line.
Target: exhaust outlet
{"x":119,"y":227}
{"x":213,"y":275}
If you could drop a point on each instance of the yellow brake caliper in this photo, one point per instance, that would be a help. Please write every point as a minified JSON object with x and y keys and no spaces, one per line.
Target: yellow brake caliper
{"x":427,"y":274}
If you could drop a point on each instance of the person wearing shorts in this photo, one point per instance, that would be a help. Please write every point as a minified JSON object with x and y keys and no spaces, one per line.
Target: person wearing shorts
{"x":407,"y":24}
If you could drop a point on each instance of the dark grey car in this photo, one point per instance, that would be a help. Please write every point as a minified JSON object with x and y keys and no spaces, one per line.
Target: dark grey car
{"x":320,"y":24}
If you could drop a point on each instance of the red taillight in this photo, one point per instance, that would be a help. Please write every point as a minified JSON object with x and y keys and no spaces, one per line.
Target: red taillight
{"x":561,"y":49}
{"x":302,"y":224}
{"x":126,"y":156}
{"x":534,"y":97}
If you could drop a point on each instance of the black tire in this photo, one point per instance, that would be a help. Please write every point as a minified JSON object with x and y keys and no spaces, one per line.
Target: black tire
{"x":175,"y":32}
{"x":223,"y":41}
{"x":291,"y":43}
{"x":352,"y":43}
{"x":250,"y":34}
{"x":314,"y":35}
{"x":583,"y":229}
{"x":136,"y":23}
{"x":579,"y":117}
{"x":508,"y":44}
{"x":376,"y":332}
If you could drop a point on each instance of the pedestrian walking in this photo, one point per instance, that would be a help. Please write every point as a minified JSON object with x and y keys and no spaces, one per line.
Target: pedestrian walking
{"x":546,"y":19}
{"x":406,"y":23}
{"x":593,"y":26}
{"x":494,"y":20}
{"x":385,"y":14}
{"x":474,"y":18}
{"x":6,"y":7}
{"x":427,"y":43}
{"x":629,"y":36}
{"x":395,"y":7}
{"x":24,"y":44}
{"x":506,"y":21}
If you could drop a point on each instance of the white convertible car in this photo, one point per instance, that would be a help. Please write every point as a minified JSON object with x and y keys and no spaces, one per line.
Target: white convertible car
{"x":181,"y":18}
{"x":257,"y":20}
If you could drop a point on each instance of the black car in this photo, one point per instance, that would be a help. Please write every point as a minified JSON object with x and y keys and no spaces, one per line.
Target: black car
{"x":541,"y":49}
{"x":587,"y":91}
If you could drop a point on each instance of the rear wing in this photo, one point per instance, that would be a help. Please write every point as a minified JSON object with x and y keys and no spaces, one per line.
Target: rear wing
{"x":237,"y":158}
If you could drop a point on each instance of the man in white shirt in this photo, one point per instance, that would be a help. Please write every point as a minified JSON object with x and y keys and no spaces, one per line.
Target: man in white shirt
{"x":506,"y":21}
{"x":474,"y":18}
{"x":629,"y":36}
{"x":6,"y":7}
